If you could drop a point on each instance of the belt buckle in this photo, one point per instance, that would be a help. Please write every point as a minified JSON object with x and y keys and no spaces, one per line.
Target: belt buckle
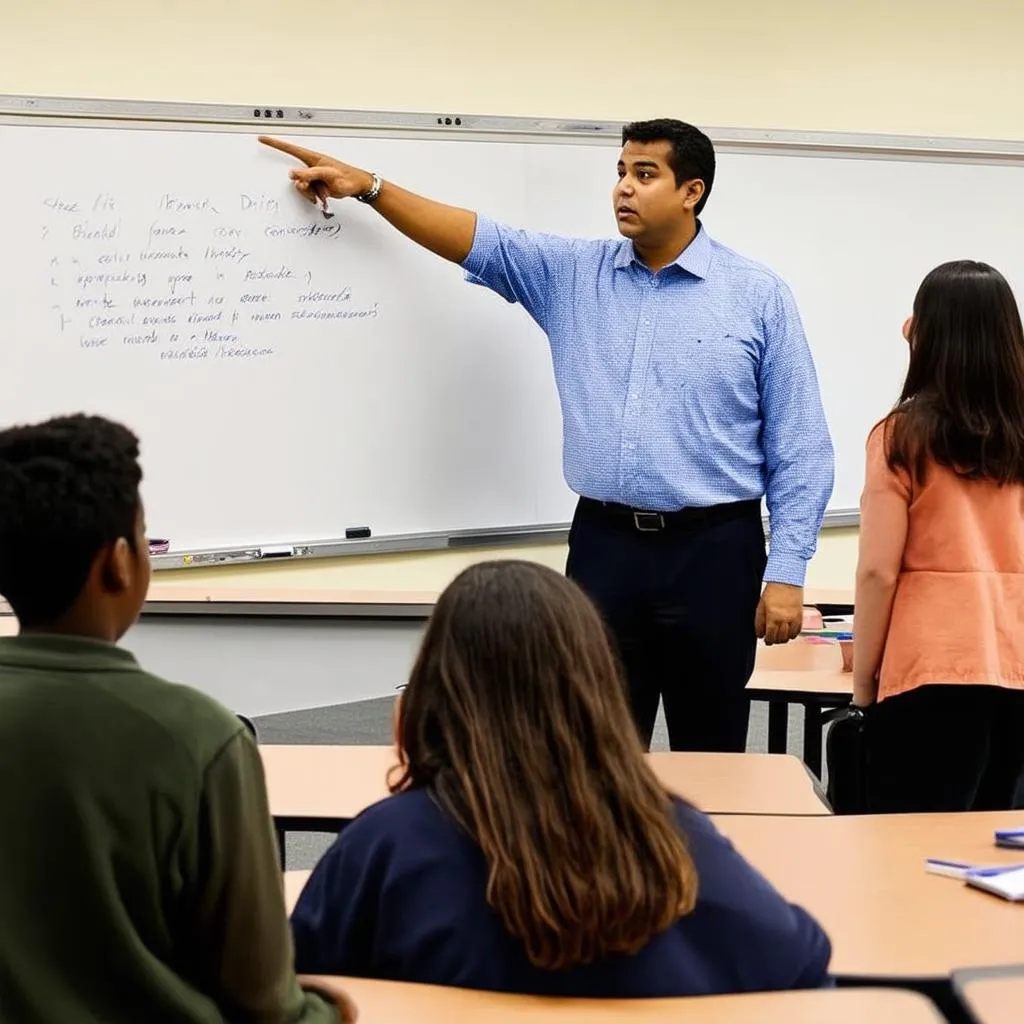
{"x":648,"y":522}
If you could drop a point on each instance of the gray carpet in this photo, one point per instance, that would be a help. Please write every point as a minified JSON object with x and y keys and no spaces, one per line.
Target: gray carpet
{"x":369,"y":721}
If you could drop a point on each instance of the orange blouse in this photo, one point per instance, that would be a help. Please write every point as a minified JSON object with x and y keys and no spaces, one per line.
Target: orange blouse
{"x":958,"y":613}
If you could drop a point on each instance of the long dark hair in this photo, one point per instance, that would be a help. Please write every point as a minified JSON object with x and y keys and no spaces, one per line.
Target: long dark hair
{"x":515,"y":719}
{"x":962,"y":403}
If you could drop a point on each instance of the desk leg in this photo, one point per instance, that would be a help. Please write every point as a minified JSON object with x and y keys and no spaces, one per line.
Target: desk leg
{"x":778,"y":726}
{"x":281,"y":846}
{"x":812,"y":738}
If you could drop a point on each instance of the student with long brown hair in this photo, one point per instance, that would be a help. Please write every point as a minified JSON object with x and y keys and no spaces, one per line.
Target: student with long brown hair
{"x":939,"y":645}
{"x":528,"y":847}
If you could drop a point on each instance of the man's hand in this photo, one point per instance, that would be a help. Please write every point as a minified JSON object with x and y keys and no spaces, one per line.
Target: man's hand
{"x":322,"y":176}
{"x":447,"y":231}
{"x":780,"y":613}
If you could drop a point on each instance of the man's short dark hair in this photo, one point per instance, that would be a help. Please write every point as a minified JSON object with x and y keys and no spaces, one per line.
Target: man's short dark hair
{"x":68,"y":487}
{"x":692,"y":154}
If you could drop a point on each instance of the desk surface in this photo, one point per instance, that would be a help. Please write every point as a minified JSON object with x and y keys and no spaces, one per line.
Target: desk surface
{"x":164,"y":599}
{"x":163,"y":593}
{"x":814,"y":683}
{"x":799,"y":655}
{"x":335,"y":782}
{"x":294,"y":883}
{"x":382,"y":1002}
{"x":864,"y":879}
{"x":996,"y":998}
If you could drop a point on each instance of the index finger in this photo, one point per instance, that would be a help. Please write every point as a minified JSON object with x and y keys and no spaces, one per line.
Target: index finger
{"x":307,"y":156}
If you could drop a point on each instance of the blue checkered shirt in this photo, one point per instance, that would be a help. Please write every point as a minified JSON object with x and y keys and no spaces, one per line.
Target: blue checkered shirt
{"x":690,"y":387}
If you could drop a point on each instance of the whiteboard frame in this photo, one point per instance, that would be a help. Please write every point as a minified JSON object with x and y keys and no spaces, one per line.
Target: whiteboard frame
{"x":16,"y":109}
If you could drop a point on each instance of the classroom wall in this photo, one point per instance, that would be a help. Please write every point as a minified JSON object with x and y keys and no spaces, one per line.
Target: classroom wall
{"x":913,"y":66}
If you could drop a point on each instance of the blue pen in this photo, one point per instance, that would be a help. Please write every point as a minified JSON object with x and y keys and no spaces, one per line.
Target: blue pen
{"x":1012,"y":837}
{"x":961,"y":869}
{"x":952,"y":868}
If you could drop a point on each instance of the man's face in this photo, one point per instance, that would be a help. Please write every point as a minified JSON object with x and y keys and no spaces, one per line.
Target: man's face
{"x":646,"y":200}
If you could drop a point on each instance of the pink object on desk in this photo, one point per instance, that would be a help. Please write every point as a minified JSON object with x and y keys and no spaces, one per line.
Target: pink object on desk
{"x":813,"y":619}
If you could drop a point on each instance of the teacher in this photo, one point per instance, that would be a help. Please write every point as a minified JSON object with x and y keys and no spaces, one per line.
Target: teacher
{"x":688,"y":394}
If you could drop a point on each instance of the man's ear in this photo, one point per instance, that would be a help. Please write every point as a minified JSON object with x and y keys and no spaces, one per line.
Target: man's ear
{"x":693,"y":192}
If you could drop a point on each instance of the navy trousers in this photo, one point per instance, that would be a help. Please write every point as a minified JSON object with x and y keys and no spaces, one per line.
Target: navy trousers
{"x":680,"y":604}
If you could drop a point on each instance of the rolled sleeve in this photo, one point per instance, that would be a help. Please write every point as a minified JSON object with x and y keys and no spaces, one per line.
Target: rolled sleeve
{"x":521,"y":266}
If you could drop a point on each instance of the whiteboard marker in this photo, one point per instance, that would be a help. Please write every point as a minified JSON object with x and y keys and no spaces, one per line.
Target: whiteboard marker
{"x":281,"y":551}
{"x":357,"y":533}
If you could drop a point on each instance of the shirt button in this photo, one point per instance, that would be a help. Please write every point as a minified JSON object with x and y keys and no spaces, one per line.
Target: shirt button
{"x":647,"y":323}
{"x":634,"y":396}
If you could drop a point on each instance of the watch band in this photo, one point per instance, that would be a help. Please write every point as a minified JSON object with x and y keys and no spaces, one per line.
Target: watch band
{"x":372,"y":194}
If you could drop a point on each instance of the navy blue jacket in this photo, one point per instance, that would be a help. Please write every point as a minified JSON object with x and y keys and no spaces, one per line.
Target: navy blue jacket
{"x":401,"y":896}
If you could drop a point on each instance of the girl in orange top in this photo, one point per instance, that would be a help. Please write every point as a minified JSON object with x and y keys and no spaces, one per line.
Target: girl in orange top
{"x":939,"y":645}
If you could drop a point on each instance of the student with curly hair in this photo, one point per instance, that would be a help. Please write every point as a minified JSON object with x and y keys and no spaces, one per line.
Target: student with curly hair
{"x":138,"y":871}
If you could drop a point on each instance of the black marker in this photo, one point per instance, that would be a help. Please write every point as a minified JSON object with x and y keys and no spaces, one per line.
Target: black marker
{"x":357,"y":532}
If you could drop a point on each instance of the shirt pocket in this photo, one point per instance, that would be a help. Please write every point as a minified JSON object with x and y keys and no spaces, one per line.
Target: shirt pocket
{"x":704,"y":358}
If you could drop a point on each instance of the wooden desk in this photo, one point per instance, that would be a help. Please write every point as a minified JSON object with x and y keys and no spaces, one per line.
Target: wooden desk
{"x":180,"y":599}
{"x":864,"y":879}
{"x":166,"y":599}
{"x":383,"y":1002}
{"x":992,"y":996}
{"x":294,"y":883}
{"x":318,"y":788}
{"x":776,"y":784}
{"x":819,"y":690}
{"x":803,"y":655}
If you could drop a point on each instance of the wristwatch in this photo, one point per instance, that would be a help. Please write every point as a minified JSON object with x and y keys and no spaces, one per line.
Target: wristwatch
{"x":372,"y":194}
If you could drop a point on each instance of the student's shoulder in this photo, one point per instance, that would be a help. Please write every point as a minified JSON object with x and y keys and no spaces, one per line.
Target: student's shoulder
{"x":187,"y":718}
{"x":411,"y":820}
{"x":395,"y":812}
{"x":694,"y":823}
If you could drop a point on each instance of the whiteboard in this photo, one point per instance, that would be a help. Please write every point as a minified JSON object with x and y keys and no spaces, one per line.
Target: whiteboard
{"x":292,"y":376}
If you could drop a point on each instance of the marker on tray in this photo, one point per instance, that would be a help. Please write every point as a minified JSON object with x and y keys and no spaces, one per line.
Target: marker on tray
{"x":279,"y":551}
{"x":357,"y":532}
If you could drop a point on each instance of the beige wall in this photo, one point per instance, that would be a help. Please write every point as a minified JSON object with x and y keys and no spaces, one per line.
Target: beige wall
{"x":908,"y":66}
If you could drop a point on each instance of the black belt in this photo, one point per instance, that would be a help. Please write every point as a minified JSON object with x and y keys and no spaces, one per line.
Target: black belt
{"x":659,"y":522}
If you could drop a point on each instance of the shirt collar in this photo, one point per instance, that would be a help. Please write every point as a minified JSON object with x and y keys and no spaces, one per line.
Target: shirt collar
{"x":695,"y":259}
{"x":64,"y":653}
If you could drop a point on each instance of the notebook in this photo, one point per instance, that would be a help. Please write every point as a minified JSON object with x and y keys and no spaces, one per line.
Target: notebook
{"x":1008,"y":884}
